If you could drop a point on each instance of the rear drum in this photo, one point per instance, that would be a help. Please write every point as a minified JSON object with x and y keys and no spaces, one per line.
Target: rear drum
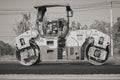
{"x":96,"y":55}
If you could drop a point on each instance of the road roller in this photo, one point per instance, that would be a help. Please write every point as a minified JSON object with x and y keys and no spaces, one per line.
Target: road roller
{"x":51,"y":40}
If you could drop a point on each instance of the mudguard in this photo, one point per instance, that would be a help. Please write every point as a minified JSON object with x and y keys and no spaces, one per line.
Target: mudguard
{"x":27,"y":51}
{"x":97,"y":52}
{"x":22,"y":41}
{"x":29,"y":55}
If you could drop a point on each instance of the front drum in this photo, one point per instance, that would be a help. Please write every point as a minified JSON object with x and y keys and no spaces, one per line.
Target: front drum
{"x":29,"y":55}
{"x":97,"y":55}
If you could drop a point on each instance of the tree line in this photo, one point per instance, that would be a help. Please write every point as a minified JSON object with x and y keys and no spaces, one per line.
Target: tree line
{"x":6,"y":49}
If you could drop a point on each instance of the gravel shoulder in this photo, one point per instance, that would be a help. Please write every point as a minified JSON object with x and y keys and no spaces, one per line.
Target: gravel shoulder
{"x":60,"y":77}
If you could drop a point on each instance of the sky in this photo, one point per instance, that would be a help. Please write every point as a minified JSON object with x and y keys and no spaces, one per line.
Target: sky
{"x":8,"y":19}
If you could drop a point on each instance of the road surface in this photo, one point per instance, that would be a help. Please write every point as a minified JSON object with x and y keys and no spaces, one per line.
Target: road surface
{"x":60,"y":77}
{"x":72,"y":68}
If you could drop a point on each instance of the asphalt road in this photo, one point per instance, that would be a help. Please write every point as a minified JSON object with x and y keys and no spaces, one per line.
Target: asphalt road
{"x":72,"y":68}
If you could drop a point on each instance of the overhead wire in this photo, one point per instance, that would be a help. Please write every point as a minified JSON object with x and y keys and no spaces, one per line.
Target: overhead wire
{"x":84,"y":7}
{"x":6,"y":36}
{"x":91,"y":5}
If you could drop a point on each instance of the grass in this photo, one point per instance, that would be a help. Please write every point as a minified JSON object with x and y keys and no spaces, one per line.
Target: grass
{"x":7,"y":58}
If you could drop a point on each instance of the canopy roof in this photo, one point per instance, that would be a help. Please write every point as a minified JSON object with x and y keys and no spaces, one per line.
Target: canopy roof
{"x":50,"y":5}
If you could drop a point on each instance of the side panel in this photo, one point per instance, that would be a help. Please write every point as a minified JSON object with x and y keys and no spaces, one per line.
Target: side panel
{"x":48,"y":54}
{"x":73,"y":53}
{"x":48,"y":49}
{"x":74,"y":44}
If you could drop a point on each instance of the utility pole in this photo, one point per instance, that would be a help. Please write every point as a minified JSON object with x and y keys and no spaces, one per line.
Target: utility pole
{"x":111,"y":25}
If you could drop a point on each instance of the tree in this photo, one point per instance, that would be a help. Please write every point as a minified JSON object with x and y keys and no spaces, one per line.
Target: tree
{"x":75,"y":26}
{"x":6,"y":49}
{"x":23,"y":25}
{"x":101,"y":26}
{"x":84,"y":27}
{"x":116,"y":30}
{"x":116,"y":37}
{"x":78,"y":26}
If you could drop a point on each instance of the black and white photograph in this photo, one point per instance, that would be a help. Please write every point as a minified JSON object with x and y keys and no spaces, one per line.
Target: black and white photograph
{"x":59,"y":39}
